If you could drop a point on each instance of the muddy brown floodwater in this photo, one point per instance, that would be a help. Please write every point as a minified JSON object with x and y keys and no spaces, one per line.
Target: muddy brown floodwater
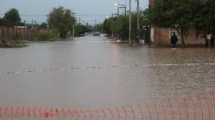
{"x":90,"y":74}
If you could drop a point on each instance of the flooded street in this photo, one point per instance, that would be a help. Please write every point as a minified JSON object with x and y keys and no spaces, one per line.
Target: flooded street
{"x":94,"y":72}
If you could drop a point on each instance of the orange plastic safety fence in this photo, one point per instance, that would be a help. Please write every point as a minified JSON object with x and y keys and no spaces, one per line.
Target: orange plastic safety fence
{"x":194,"y":107}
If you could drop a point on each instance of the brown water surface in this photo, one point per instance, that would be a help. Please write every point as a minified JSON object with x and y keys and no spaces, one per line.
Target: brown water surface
{"x":94,"y":72}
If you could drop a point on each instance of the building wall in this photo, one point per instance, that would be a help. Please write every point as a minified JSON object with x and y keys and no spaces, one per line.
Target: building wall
{"x":162,"y":37}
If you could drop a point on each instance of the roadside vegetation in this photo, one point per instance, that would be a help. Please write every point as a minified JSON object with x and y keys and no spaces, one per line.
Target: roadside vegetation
{"x":181,"y":15}
{"x":118,"y":26}
{"x":47,"y":36}
{"x":13,"y":44}
{"x":178,"y":14}
{"x":59,"y":26}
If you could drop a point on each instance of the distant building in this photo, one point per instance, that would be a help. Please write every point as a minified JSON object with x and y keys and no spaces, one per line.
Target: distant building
{"x":20,"y":27}
{"x":161,"y":36}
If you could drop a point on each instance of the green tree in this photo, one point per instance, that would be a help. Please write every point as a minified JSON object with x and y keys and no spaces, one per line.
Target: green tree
{"x":205,"y":18}
{"x":144,"y":17}
{"x":99,"y":27}
{"x":3,"y":22}
{"x":179,"y":14}
{"x":87,"y":28}
{"x":47,"y":35}
{"x":82,"y":29}
{"x":79,"y":29}
{"x":122,"y":27}
{"x":12,"y":17}
{"x":106,"y":26}
{"x":43,"y":25}
{"x":62,"y":20}
{"x":113,"y":26}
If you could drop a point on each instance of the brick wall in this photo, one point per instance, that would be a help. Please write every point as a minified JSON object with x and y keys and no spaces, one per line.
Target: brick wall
{"x":162,"y":37}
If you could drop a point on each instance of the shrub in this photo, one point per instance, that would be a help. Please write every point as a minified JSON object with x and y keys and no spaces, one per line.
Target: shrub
{"x":46,"y":36}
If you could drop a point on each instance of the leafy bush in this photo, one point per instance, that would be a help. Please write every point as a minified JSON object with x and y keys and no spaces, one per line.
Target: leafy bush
{"x":47,"y":36}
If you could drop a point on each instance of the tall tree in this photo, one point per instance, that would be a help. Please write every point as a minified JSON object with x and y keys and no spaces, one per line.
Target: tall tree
{"x":43,"y":25}
{"x":107,"y":26}
{"x":205,"y":18}
{"x":61,"y":19}
{"x":3,"y":22}
{"x":79,"y":29}
{"x":12,"y":17}
{"x":120,"y":25}
{"x":123,"y":27}
{"x":179,"y":14}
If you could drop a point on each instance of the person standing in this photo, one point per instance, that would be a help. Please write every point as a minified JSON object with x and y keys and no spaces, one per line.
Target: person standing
{"x":174,"y":40}
{"x":212,"y":40}
{"x":208,"y":39}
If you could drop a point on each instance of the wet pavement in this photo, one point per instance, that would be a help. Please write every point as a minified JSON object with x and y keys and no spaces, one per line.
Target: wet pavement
{"x":94,"y":72}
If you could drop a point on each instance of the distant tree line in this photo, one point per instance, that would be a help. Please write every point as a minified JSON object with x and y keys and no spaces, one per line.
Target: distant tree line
{"x":179,"y":14}
{"x":60,"y":23}
{"x":118,"y":26}
{"x":11,"y":18}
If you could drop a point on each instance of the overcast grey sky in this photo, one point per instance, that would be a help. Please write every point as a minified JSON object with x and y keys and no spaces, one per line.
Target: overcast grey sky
{"x":88,"y":10}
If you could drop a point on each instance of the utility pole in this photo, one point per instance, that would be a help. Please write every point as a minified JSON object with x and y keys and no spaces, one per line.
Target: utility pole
{"x":112,"y":26}
{"x":138,"y":20}
{"x":130,"y":42}
{"x":118,"y":11}
{"x":120,"y":6}
{"x":73,"y":31}
{"x":73,"y":27}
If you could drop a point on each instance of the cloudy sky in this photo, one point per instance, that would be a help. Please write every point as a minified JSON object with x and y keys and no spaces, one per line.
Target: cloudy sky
{"x":88,"y":10}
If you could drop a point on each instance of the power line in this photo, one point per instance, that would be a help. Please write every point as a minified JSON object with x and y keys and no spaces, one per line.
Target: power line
{"x":93,"y":15}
